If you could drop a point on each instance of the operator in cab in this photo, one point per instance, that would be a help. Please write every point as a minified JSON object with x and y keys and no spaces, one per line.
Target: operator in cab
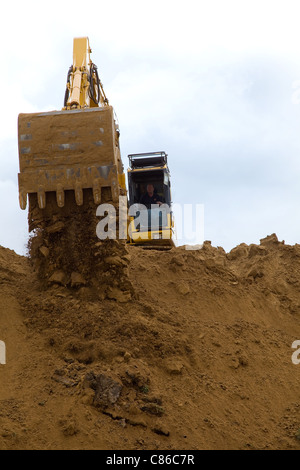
{"x":150,"y":197}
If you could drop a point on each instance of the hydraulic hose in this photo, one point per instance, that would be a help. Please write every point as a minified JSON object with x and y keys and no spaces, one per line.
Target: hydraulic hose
{"x":94,"y":84}
{"x":67,"y":92}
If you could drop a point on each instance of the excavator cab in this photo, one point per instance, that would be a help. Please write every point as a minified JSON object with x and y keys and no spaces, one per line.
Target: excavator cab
{"x":150,"y":224}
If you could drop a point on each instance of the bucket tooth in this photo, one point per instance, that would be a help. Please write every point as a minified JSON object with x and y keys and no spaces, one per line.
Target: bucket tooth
{"x":60,"y":196}
{"x":41,"y":197}
{"x":78,"y":195}
{"x":23,"y":200}
{"x":97,"y":192}
{"x":115,"y":190}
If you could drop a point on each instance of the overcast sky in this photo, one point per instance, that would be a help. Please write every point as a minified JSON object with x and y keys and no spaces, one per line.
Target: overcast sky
{"x":215,"y":84}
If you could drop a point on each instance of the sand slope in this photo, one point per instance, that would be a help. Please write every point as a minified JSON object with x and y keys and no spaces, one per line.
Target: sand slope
{"x":199,"y":359}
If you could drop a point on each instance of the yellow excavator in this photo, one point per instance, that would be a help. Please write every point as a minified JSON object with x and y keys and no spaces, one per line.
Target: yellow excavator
{"x":70,"y":163}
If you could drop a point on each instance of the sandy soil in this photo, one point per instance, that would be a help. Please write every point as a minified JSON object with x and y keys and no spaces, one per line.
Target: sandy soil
{"x":198,"y":357}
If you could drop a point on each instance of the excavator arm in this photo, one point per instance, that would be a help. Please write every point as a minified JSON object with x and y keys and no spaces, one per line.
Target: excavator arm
{"x":84,"y":88}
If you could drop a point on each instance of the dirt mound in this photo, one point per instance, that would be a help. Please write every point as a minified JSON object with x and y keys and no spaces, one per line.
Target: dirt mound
{"x":199,"y":358}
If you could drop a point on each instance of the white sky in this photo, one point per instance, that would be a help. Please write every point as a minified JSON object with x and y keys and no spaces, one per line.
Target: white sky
{"x":216,"y":84}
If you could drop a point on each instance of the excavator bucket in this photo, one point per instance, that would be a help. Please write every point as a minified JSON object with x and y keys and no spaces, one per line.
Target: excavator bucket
{"x":66,"y":150}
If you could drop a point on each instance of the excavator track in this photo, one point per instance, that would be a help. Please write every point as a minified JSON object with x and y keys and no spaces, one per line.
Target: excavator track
{"x":157,"y":248}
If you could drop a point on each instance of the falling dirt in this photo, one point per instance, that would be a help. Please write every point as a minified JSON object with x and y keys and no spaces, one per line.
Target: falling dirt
{"x":65,"y":250}
{"x":197,"y":356}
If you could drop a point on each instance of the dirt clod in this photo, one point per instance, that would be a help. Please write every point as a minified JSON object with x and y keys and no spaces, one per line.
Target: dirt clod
{"x":107,"y":391}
